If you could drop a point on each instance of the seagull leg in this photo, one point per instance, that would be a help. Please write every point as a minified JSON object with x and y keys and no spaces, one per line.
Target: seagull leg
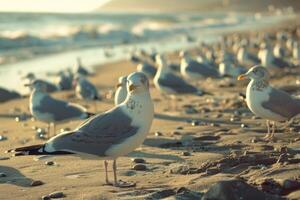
{"x":49,"y":129}
{"x":106,"y":173}
{"x":121,"y":184}
{"x":268,"y":134}
{"x":273,"y":131}
{"x":54,"y":129}
{"x":115,"y":173}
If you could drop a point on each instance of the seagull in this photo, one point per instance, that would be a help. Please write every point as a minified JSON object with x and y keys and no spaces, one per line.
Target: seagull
{"x":268,"y":60}
{"x":147,"y":69}
{"x":121,"y":92}
{"x":296,"y":51}
{"x":86,"y":90}
{"x":227,"y":68}
{"x":245,"y":57}
{"x":49,"y":86}
{"x":80,"y":69}
{"x":64,"y":81}
{"x":47,"y":109}
{"x":195,"y":70}
{"x":6,"y":95}
{"x":167,"y":82}
{"x":108,"y":135}
{"x":279,"y":51}
{"x":268,"y":102}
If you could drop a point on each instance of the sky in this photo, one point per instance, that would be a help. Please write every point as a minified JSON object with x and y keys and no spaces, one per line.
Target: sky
{"x":50,"y":5}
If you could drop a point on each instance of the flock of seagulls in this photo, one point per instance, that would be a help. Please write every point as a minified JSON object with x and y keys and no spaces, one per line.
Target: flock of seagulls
{"x":120,"y":130}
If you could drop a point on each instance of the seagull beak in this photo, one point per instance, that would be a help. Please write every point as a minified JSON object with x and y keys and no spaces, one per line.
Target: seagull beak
{"x":242,"y":77}
{"x":132,"y":87}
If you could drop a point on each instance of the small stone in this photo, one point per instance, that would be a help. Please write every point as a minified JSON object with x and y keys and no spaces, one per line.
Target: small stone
{"x":138,"y":160}
{"x":36,"y":183}
{"x":46,"y":197}
{"x":195,"y":123}
{"x":4,"y":158}
{"x":212,"y":171}
{"x":64,"y":130}
{"x":234,"y":119}
{"x":40,"y":133}
{"x":186,"y":153}
{"x":179,"y":128}
{"x":236,"y":112}
{"x":254,"y":140}
{"x":2,"y":174}
{"x":244,"y":126}
{"x":176,"y":133}
{"x":2,"y":138}
{"x":139,"y":167}
{"x":50,"y":163}
{"x":190,"y":110}
{"x":56,"y":195}
{"x":214,"y":125}
{"x":158,"y":134}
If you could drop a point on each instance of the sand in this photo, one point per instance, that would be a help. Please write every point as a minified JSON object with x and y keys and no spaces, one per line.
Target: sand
{"x":219,"y":116}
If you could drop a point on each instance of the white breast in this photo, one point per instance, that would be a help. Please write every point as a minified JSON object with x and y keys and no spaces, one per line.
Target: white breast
{"x":34,"y":101}
{"x":255,"y":99}
{"x":142,"y":118}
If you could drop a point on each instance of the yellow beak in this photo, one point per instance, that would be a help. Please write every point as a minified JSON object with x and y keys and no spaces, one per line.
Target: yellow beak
{"x":118,"y":85}
{"x":242,"y":77}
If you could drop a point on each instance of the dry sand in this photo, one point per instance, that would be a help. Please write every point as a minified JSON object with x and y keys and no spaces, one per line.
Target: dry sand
{"x":84,"y":179}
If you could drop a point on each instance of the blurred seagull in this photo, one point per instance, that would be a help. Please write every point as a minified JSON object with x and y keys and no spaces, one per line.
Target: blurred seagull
{"x":268,"y":102}
{"x":86,"y":90}
{"x":47,"y":109}
{"x":194,"y":70}
{"x":6,"y":95}
{"x":108,"y":135}
{"x":80,"y":69}
{"x":246,"y":58}
{"x":147,"y":69}
{"x":121,"y":92}
{"x":30,"y":77}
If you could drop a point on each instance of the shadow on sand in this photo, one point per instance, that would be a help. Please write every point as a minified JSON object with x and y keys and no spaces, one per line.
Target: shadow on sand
{"x":14,"y":177}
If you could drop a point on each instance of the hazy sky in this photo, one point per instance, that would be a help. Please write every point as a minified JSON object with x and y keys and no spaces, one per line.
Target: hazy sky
{"x":50,"y":5}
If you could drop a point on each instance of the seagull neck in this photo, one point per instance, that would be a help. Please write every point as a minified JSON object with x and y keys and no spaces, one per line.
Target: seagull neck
{"x":259,"y":84}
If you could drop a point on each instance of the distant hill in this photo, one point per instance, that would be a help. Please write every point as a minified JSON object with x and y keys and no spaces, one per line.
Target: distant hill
{"x":196,"y":5}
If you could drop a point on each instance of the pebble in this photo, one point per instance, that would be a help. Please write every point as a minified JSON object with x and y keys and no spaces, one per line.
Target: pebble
{"x":244,"y":126}
{"x":190,"y":110}
{"x":2,"y":138}
{"x":158,"y":134}
{"x":4,"y":158}
{"x":176,"y":133}
{"x":195,"y":123}
{"x":40,"y":133}
{"x":36,"y":183}
{"x":179,"y":128}
{"x":254,"y":140}
{"x":2,"y":175}
{"x":50,"y":163}
{"x":56,"y":195}
{"x":186,"y":153}
{"x":138,"y":160}
{"x":46,"y":197}
{"x":139,"y":167}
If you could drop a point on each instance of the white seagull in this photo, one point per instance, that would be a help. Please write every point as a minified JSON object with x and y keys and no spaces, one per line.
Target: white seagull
{"x":268,"y":102}
{"x":45,"y":108}
{"x":121,"y":92}
{"x":108,"y":135}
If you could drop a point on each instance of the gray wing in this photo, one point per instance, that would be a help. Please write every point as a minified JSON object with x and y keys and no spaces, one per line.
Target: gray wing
{"x":201,"y":68}
{"x":282,"y":104}
{"x":60,"y":110}
{"x":97,"y":134}
{"x":88,"y":90}
{"x":148,"y":69}
{"x":177,"y":84}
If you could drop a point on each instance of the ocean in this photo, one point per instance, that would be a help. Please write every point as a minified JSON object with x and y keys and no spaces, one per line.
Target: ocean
{"x":43,"y":42}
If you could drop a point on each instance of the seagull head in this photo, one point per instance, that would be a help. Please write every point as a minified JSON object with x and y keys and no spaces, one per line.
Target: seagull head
{"x":257,"y":72}
{"x":137,"y":82}
{"x":37,"y":85}
{"x":122,"y":81}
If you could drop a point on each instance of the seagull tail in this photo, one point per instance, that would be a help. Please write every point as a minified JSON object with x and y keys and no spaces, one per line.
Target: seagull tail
{"x":28,"y":150}
{"x":34,"y":150}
